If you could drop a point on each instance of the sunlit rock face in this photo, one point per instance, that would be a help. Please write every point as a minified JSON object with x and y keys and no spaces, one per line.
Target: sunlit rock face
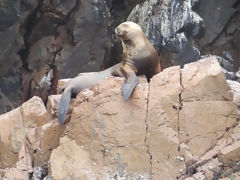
{"x":43,"y":41}
{"x":183,"y":124}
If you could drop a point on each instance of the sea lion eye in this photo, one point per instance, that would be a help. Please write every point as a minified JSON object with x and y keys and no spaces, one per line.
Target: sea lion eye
{"x":125,"y":25}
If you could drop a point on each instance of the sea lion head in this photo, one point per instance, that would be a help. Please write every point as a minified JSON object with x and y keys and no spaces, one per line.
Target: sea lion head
{"x":128,"y":30}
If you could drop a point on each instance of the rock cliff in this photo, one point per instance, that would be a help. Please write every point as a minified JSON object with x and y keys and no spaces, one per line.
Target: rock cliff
{"x":183,"y":124}
{"x":42,"y":41}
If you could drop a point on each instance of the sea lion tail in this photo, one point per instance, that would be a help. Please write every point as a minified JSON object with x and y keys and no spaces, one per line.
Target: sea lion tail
{"x":63,"y":105}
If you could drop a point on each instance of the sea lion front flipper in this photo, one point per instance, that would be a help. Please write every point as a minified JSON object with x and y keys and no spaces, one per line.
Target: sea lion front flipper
{"x":63,"y":105}
{"x":129,"y":85}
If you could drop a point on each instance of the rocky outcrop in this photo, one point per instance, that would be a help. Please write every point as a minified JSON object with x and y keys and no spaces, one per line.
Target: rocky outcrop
{"x":183,"y":31}
{"x":167,"y":24}
{"x":42,"y":41}
{"x":169,"y":128}
{"x":183,"y":124}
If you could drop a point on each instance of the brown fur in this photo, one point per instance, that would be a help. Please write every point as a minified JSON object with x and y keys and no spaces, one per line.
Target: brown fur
{"x":139,"y":57}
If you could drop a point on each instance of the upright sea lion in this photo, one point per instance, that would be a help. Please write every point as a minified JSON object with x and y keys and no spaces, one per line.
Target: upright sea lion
{"x":139,"y":57}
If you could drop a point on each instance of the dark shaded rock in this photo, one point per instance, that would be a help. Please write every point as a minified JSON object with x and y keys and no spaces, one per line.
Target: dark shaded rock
{"x":89,"y":24}
{"x":216,"y":15}
{"x":10,"y":64}
{"x":236,"y":39}
{"x":9,"y":12}
{"x":226,"y":44}
{"x":170,"y":25}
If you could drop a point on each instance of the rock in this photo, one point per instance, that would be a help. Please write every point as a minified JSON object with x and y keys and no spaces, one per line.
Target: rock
{"x":170,"y":125}
{"x":23,"y":166}
{"x":9,"y":121}
{"x":87,"y":55}
{"x":52,"y":105}
{"x":64,"y":7}
{"x":69,"y":155}
{"x":14,"y":173}
{"x":117,"y":134}
{"x":17,"y":139}
{"x":40,"y":172}
{"x":230,"y":154}
{"x":221,"y":12}
{"x":204,"y":81}
{"x":19,"y":125}
{"x":34,"y":113}
{"x":162,"y":123}
{"x":183,"y":122}
{"x":206,"y":100}
{"x":10,"y":65}
{"x":61,"y":84}
{"x":235,"y":87}
{"x":49,"y":135}
{"x":13,"y":19}
{"x":167,"y":24}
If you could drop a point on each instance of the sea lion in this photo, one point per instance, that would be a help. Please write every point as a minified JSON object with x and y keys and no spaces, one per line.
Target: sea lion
{"x":139,"y":57}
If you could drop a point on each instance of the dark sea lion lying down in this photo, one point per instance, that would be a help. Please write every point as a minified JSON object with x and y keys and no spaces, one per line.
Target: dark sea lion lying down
{"x":139,"y":57}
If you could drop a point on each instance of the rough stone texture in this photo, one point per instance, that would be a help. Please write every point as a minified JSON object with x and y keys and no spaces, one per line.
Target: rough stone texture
{"x":34,"y":113}
{"x":216,"y":15}
{"x":162,"y":124}
{"x":42,"y":41}
{"x":173,"y":126}
{"x":74,"y":162}
{"x":12,"y":15}
{"x":113,"y":137}
{"x":183,"y":124}
{"x":167,"y":24}
{"x":235,"y":87}
{"x":27,"y":128}
{"x":230,"y":154}
{"x":209,"y":92}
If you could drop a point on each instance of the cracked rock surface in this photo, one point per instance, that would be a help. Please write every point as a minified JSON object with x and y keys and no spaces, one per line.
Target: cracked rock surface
{"x":44,"y":41}
{"x":166,"y":129}
{"x":182,"y":124}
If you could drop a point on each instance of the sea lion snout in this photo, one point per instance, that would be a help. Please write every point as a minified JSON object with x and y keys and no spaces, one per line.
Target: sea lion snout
{"x":120,"y":32}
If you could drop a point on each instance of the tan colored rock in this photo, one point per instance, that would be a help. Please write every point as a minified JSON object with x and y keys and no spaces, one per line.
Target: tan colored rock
{"x":189,"y":178}
{"x":18,"y":127}
{"x":207,"y":109}
{"x":203,"y":80}
{"x":199,"y":176}
{"x":112,"y":131}
{"x":230,"y":154}
{"x":204,"y":122}
{"x":53,"y":103}
{"x":8,"y":121}
{"x":162,"y":120}
{"x":71,"y":161}
{"x":34,"y":112}
{"x":15,"y":174}
{"x":23,"y":167}
{"x":61,"y":84}
{"x":17,"y":139}
{"x":49,"y":135}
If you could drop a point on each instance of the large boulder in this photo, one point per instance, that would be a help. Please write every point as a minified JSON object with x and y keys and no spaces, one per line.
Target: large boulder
{"x":183,"y":124}
{"x":165,"y":128}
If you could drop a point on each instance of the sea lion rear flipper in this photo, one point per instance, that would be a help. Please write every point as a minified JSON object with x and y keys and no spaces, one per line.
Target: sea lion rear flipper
{"x":129,"y":85}
{"x":63,"y":105}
